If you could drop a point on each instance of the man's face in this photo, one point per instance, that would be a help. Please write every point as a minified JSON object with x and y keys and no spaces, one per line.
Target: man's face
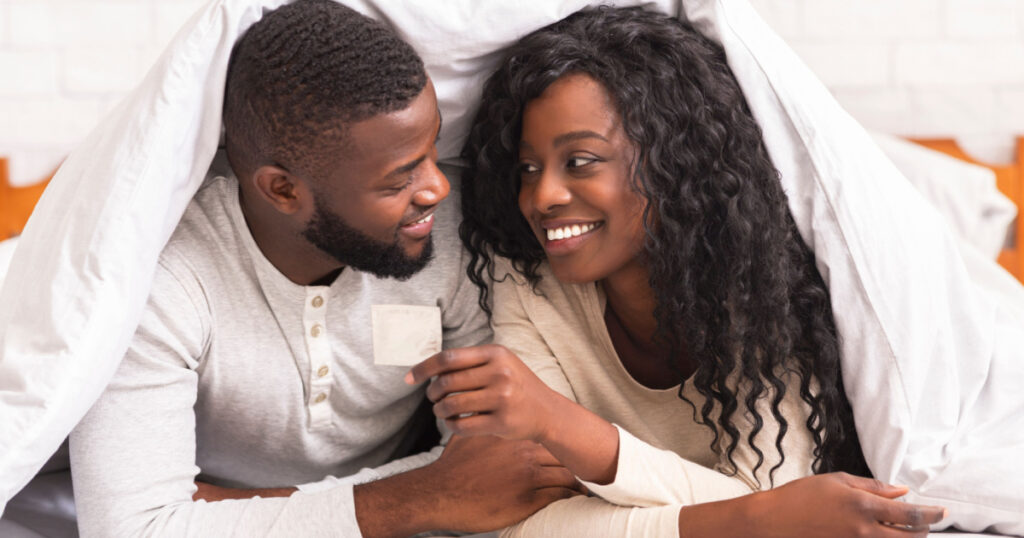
{"x":376,"y":209}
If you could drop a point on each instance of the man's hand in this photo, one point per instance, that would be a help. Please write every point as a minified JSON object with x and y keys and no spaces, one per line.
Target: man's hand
{"x":478,"y":484}
{"x":210,"y":493}
{"x":491,"y":483}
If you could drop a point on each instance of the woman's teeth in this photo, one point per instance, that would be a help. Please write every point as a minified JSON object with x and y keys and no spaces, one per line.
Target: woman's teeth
{"x":566,"y":232}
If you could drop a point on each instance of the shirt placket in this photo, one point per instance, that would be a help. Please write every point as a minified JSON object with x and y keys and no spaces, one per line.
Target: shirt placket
{"x":314,"y":319}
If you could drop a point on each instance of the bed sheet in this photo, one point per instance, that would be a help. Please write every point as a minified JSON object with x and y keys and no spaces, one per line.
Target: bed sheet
{"x":928,"y":418}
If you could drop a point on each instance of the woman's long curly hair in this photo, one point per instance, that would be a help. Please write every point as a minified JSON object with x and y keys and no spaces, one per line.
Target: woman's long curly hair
{"x":737,"y":288}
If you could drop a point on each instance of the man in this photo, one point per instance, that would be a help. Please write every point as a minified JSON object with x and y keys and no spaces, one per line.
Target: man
{"x":253,"y":364}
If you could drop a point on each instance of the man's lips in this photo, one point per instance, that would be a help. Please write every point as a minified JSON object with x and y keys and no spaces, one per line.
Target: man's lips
{"x":420,"y":228}
{"x":422,"y":220}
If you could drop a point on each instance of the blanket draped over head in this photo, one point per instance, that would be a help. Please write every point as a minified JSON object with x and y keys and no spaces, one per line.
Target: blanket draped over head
{"x":933,"y":360}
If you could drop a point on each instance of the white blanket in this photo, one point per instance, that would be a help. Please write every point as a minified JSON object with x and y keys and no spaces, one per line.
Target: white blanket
{"x":932,"y":361}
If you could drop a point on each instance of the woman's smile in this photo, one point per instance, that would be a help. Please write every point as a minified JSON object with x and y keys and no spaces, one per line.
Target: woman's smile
{"x":562,"y":238}
{"x":575,"y":181}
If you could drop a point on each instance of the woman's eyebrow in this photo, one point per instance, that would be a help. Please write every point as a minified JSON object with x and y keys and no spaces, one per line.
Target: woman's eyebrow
{"x":577,"y":135}
{"x":566,"y":138}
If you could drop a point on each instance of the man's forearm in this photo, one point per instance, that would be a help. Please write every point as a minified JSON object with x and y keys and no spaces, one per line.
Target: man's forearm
{"x":400,"y":505}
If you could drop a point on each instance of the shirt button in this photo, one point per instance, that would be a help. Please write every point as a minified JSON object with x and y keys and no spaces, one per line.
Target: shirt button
{"x":319,"y":398}
{"x":315,"y":330}
{"x":322,"y":371}
{"x":318,"y":301}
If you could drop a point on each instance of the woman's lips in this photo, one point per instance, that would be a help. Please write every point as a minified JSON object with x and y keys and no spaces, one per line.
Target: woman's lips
{"x":565,"y":238}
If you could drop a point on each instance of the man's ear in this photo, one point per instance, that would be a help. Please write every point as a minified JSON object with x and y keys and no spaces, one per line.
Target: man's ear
{"x":288,"y":193}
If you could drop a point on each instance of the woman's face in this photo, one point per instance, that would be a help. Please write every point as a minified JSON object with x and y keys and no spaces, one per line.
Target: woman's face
{"x":575,"y":162}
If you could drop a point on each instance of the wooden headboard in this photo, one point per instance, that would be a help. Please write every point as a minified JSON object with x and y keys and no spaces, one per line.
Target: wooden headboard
{"x":1009,"y":180}
{"x":16,"y":203}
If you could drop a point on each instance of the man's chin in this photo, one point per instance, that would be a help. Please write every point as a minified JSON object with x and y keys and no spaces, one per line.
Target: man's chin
{"x":402,"y":266}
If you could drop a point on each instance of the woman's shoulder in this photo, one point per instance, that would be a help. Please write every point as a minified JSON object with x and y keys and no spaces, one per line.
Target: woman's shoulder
{"x":507,"y":273}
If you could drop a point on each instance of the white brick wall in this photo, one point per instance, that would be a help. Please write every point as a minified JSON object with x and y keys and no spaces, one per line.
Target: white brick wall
{"x":64,"y":63}
{"x":917,"y":67}
{"x":908,"y":67}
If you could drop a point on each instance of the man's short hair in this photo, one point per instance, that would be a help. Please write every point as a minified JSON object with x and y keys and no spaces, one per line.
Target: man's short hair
{"x":301,"y":74}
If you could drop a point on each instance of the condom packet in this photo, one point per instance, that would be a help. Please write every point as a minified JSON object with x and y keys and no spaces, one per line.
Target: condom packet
{"x":405,"y":335}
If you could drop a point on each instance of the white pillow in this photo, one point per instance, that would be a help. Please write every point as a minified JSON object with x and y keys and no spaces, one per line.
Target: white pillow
{"x":964,"y":193}
{"x":96,"y":233}
{"x":6,"y":253}
{"x":932,"y":361}
{"x":928,"y":355}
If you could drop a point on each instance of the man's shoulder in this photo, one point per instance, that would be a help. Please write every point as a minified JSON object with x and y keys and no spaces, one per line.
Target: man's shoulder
{"x":204,"y":241}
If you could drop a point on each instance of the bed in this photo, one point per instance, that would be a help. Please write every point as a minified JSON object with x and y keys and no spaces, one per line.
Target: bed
{"x":45,"y":507}
{"x":1010,"y":181}
{"x":120,"y":193}
{"x":16,"y":203}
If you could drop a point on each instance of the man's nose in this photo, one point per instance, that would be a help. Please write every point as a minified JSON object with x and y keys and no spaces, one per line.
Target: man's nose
{"x":434,"y":188}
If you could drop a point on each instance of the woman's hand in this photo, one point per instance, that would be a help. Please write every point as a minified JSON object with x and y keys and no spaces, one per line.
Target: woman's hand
{"x":487,"y":390}
{"x":821,"y":506}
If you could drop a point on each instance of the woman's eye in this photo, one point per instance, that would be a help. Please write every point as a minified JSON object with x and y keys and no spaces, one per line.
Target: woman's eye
{"x":579,"y":162}
{"x":527,"y":168}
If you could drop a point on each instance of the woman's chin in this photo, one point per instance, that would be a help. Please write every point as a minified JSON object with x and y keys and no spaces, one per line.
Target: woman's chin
{"x":571,"y":274}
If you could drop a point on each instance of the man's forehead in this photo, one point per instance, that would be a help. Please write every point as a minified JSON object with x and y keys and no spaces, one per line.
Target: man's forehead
{"x":396,"y":135}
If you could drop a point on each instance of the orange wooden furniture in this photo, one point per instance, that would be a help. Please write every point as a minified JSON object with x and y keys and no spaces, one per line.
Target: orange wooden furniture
{"x":1009,"y":180}
{"x":16,"y":203}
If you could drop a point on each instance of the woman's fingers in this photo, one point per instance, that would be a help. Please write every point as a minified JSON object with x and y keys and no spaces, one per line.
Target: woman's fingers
{"x":481,"y":424}
{"x":873,"y":486}
{"x":464,"y":403}
{"x":888,"y":531}
{"x":900,"y":516}
{"x":904,"y":516}
{"x":459,"y":381}
{"x":449,"y":360}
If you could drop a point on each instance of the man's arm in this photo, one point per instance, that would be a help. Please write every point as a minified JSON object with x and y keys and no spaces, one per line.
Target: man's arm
{"x":133,"y":459}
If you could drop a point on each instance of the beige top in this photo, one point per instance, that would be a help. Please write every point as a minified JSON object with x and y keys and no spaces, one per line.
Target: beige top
{"x":666,"y":460}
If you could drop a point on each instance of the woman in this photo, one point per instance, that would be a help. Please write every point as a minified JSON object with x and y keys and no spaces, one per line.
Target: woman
{"x":647,"y":267}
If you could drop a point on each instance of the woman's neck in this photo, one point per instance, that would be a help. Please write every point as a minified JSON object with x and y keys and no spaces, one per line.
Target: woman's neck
{"x":631,"y":299}
{"x":629,"y":318}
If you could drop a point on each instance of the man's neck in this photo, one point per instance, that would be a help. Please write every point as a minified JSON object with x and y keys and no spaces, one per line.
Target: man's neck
{"x":294,"y":257}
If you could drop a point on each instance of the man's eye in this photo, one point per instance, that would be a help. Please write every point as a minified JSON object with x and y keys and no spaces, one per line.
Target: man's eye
{"x":399,"y":187}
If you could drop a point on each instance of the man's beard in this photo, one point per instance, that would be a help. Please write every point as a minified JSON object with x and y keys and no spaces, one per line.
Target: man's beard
{"x":331,"y":234}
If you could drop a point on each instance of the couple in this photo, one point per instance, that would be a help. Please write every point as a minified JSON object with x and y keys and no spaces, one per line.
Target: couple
{"x":629,"y":243}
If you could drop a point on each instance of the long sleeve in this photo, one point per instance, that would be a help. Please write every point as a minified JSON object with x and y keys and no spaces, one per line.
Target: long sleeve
{"x":649,"y":476}
{"x":650,"y":481}
{"x":372,"y":474}
{"x":134,"y":454}
{"x":591,"y":517}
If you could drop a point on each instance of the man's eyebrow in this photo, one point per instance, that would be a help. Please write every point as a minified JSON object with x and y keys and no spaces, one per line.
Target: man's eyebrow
{"x":406,"y":168}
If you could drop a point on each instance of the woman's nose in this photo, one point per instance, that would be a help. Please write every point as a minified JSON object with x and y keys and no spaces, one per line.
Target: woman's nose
{"x":550,"y":191}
